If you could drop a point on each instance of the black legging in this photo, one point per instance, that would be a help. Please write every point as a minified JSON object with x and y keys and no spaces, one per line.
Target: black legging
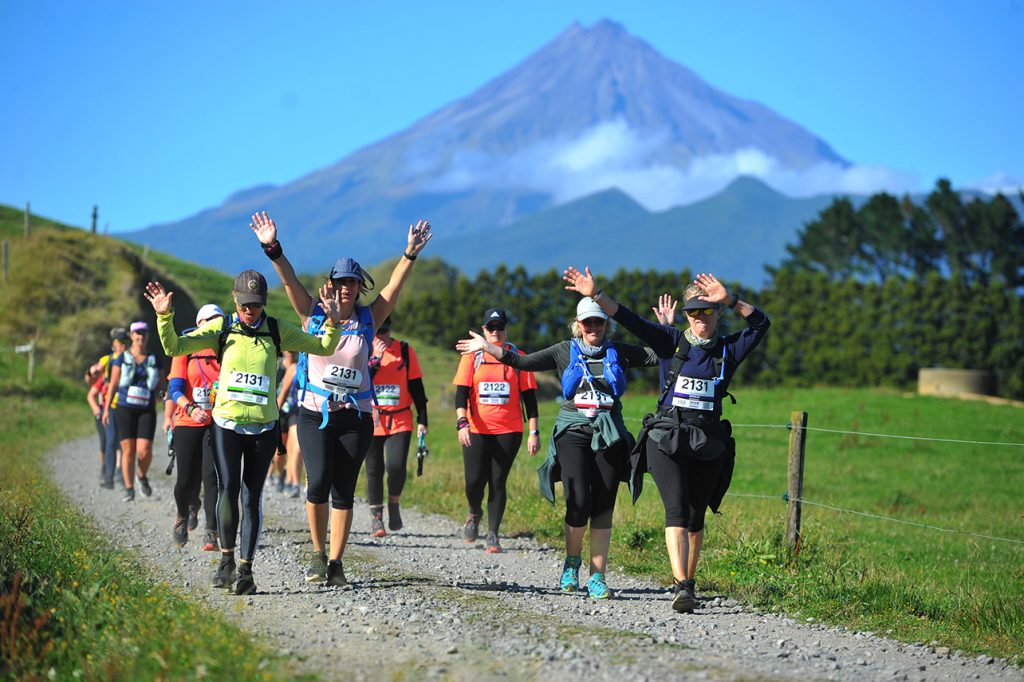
{"x":193,"y":450}
{"x":488,"y":459}
{"x":242,"y":462}
{"x":334,"y":455}
{"x":685,"y":484}
{"x":390,"y":453}
{"x":590,"y":480}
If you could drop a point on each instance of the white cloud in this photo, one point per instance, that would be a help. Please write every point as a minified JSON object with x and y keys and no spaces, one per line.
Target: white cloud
{"x":999,"y":182}
{"x":613,"y":155}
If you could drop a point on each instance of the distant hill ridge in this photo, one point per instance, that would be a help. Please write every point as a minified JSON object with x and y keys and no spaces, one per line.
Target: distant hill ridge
{"x":594,"y":111}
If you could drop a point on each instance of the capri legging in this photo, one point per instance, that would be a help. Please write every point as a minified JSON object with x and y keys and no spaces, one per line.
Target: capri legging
{"x":113,"y":444}
{"x":488,"y":459}
{"x":334,"y":454}
{"x":685,"y":484}
{"x":193,"y":448}
{"x":135,"y":424}
{"x":242,"y":462}
{"x":590,"y":480}
{"x":391,"y":454}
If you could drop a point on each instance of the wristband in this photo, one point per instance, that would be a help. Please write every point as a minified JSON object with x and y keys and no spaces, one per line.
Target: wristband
{"x":189,"y":408}
{"x":461,"y":423}
{"x":597,"y":295}
{"x":534,"y":432}
{"x":735,"y":301}
{"x":406,"y":254}
{"x":274,"y":250}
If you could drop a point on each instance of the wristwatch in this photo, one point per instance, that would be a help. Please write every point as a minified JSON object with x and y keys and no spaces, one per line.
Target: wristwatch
{"x":534,"y":433}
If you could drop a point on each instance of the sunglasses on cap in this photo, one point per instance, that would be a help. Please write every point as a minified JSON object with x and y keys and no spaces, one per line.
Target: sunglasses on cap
{"x":495,"y":326}
{"x":700,"y":311}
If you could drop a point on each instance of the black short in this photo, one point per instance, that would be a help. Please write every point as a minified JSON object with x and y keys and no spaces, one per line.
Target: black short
{"x":135,"y":424}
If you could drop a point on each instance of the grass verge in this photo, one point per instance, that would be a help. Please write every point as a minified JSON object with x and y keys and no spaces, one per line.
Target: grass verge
{"x":71,"y":604}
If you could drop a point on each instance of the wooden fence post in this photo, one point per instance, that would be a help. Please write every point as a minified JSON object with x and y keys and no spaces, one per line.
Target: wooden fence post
{"x":795,"y":479}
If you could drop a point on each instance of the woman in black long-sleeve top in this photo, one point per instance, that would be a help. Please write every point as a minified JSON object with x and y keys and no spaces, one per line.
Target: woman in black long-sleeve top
{"x":687,"y":446}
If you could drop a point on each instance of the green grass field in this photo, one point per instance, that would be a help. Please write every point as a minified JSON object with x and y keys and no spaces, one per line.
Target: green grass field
{"x":866,"y":573}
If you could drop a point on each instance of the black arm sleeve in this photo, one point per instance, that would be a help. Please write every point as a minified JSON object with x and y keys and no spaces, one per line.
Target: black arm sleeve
{"x":462,"y":397}
{"x":535,"y":362}
{"x":419,"y":399}
{"x":530,"y":402}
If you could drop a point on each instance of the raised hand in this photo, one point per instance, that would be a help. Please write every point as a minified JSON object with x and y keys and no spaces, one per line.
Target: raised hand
{"x":160,"y":299}
{"x":472,"y":345}
{"x":330,"y":299}
{"x":666,"y":310}
{"x":264,"y":228}
{"x":419,"y":235}
{"x":714,"y":291}
{"x":379,"y":347}
{"x":580,"y":282}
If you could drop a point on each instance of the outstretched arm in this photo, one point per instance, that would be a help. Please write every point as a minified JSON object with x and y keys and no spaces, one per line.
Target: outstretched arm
{"x":419,"y":235}
{"x":265,"y":230}
{"x":583,"y":284}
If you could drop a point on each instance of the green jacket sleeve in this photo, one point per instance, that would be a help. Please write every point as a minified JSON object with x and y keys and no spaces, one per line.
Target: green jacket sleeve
{"x":200,"y":339}
{"x":293,"y":338}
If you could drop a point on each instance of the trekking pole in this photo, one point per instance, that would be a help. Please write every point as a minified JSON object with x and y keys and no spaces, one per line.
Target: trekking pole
{"x":421,"y":454}
{"x":170,"y":451}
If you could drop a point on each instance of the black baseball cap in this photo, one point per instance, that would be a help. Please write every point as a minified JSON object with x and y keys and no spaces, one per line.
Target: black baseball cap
{"x":495,"y":315}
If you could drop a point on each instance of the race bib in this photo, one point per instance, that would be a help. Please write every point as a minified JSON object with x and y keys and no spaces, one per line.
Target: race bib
{"x":138,"y":395}
{"x":248,"y":387}
{"x":388,"y":395}
{"x":493,"y":392}
{"x":342,"y":380}
{"x":203,"y":396}
{"x":591,"y":403}
{"x":695,"y":394}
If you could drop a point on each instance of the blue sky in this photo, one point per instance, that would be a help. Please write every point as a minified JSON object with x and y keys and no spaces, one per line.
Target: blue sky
{"x":158,"y":111}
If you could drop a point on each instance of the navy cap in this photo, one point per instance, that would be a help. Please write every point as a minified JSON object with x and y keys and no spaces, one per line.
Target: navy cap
{"x":348,"y":267}
{"x":696,"y":304}
{"x":495,"y":315}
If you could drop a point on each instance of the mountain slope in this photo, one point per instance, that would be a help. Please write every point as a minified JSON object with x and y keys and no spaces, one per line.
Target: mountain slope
{"x":595,"y":109}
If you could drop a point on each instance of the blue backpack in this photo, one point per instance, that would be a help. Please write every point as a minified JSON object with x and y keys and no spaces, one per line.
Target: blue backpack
{"x":578,"y":371}
{"x":316,"y":324}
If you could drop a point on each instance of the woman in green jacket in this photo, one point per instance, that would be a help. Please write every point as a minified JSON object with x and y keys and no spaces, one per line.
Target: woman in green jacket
{"x":245,"y":413}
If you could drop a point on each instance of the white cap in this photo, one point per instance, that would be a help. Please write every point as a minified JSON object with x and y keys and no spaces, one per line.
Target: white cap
{"x":207,"y":311}
{"x":587,"y":308}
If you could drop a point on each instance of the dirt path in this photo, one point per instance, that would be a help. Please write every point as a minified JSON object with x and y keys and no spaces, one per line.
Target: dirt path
{"x":422,"y":604}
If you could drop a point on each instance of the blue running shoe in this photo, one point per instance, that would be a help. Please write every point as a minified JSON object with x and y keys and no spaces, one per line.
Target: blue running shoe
{"x":597,"y":587}
{"x":570,"y":574}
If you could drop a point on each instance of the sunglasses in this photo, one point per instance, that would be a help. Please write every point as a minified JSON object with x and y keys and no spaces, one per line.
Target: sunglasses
{"x":495,"y":327}
{"x":251,"y":306}
{"x":700,"y":311}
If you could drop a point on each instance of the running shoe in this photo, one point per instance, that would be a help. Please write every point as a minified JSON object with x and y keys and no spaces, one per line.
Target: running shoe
{"x":280,"y":483}
{"x":684,"y":600}
{"x":493,"y":546}
{"x":224,"y":577}
{"x":107,"y":483}
{"x":245,"y":583}
{"x":394,"y":516}
{"x":471,"y":531}
{"x":144,"y":486}
{"x":210,"y":543}
{"x":570,"y":581}
{"x":129,"y":495}
{"x":377,"y":523}
{"x":317,"y":570}
{"x":336,"y":574}
{"x":295,"y":490}
{"x":178,"y":532}
{"x":597,"y":588}
{"x":193,"y":517}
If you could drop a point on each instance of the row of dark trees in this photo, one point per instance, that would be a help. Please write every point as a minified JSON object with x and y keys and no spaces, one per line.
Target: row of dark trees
{"x":869,"y":296}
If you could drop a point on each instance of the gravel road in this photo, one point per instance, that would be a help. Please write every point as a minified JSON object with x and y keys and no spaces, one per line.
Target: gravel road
{"x":422,"y":604}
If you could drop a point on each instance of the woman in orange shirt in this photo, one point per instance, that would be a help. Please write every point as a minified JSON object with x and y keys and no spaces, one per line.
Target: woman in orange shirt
{"x":191,"y":388}
{"x":490,"y":425}
{"x":398,"y":384}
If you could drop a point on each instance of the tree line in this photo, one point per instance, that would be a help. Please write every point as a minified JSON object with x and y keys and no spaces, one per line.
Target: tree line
{"x":868,"y":296}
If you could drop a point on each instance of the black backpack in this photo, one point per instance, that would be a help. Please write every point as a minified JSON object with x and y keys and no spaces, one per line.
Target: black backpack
{"x":229,"y":328}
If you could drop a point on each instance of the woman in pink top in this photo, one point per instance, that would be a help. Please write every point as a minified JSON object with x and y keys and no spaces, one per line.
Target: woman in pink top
{"x":335,"y":393}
